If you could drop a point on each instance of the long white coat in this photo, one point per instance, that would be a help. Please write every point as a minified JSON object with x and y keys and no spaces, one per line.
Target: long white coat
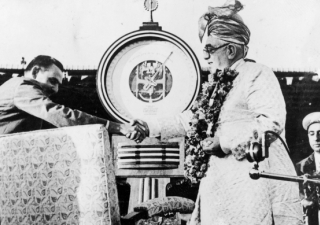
{"x":227,"y":195}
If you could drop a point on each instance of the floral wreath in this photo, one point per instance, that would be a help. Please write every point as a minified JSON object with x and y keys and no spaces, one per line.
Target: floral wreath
{"x":206,"y":110}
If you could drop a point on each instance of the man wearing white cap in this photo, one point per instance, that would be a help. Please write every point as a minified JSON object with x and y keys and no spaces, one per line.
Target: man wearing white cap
{"x":311,"y":164}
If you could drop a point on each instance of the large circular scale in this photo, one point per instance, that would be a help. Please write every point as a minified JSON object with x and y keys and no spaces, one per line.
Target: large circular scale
{"x":148,"y":74}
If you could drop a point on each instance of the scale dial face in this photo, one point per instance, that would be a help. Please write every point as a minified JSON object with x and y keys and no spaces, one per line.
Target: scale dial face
{"x":148,"y":76}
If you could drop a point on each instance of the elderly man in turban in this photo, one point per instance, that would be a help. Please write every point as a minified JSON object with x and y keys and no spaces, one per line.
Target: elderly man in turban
{"x":227,"y":195}
{"x":254,"y":105}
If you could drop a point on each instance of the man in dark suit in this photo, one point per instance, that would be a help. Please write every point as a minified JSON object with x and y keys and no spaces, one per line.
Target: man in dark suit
{"x":311,"y":166}
{"x":25,"y":103}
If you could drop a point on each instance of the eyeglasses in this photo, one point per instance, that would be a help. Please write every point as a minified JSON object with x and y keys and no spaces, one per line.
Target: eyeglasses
{"x":209,"y":50}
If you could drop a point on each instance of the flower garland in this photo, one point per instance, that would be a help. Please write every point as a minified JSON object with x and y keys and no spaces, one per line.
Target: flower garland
{"x":206,"y":110}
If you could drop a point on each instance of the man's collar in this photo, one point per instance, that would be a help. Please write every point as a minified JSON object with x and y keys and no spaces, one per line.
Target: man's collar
{"x":310,"y":159}
{"x":310,"y":162}
{"x":307,"y":165}
{"x":237,"y":64}
{"x":39,"y":85}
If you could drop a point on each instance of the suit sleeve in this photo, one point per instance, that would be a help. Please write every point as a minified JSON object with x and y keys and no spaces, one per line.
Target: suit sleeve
{"x":30,"y":98}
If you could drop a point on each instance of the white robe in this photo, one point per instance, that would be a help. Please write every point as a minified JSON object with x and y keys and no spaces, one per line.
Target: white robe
{"x":227,"y":194}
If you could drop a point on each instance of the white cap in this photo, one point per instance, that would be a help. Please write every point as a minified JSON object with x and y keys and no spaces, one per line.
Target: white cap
{"x":311,"y":119}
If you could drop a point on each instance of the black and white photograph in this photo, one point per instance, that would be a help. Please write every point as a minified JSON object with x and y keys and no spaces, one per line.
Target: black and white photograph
{"x":160,"y":112}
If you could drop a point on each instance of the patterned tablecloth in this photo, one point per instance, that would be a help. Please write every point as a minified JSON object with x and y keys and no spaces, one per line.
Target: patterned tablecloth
{"x":58,"y":176}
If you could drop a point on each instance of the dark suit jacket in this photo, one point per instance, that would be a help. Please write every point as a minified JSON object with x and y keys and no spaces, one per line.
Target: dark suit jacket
{"x":24,"y":105}
{"x":306,"y":165}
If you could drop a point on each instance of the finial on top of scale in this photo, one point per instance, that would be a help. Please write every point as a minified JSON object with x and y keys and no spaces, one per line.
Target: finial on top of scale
{"x":151,"y":5}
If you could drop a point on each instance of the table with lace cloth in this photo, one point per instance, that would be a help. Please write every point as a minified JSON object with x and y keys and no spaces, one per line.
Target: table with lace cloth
{"x":58,"y":176}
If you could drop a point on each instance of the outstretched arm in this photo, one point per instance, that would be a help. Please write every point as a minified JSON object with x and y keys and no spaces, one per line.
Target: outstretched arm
{"x":167,"y":127}
{"x":30,"y":98}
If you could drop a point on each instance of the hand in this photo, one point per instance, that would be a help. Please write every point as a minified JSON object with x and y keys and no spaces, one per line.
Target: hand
{"x":134,"y":132}
{"x":143,"y":125}
{"x":138,"y":130}
{"x":306,"y":203}
{"x":305,"y":179}
{"x":212,"y":146}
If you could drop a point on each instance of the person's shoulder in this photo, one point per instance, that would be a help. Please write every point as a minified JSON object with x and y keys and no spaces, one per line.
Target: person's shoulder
{"x":23,"y":85}
{"x":253,"y":70}
{"x":21,"y":80}
{"x":305,"y":165}
{"x":256,"y":66}
{"x":14,"y":81}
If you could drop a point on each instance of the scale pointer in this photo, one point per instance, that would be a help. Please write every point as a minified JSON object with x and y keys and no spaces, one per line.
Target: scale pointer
{"x":158,"y":70}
